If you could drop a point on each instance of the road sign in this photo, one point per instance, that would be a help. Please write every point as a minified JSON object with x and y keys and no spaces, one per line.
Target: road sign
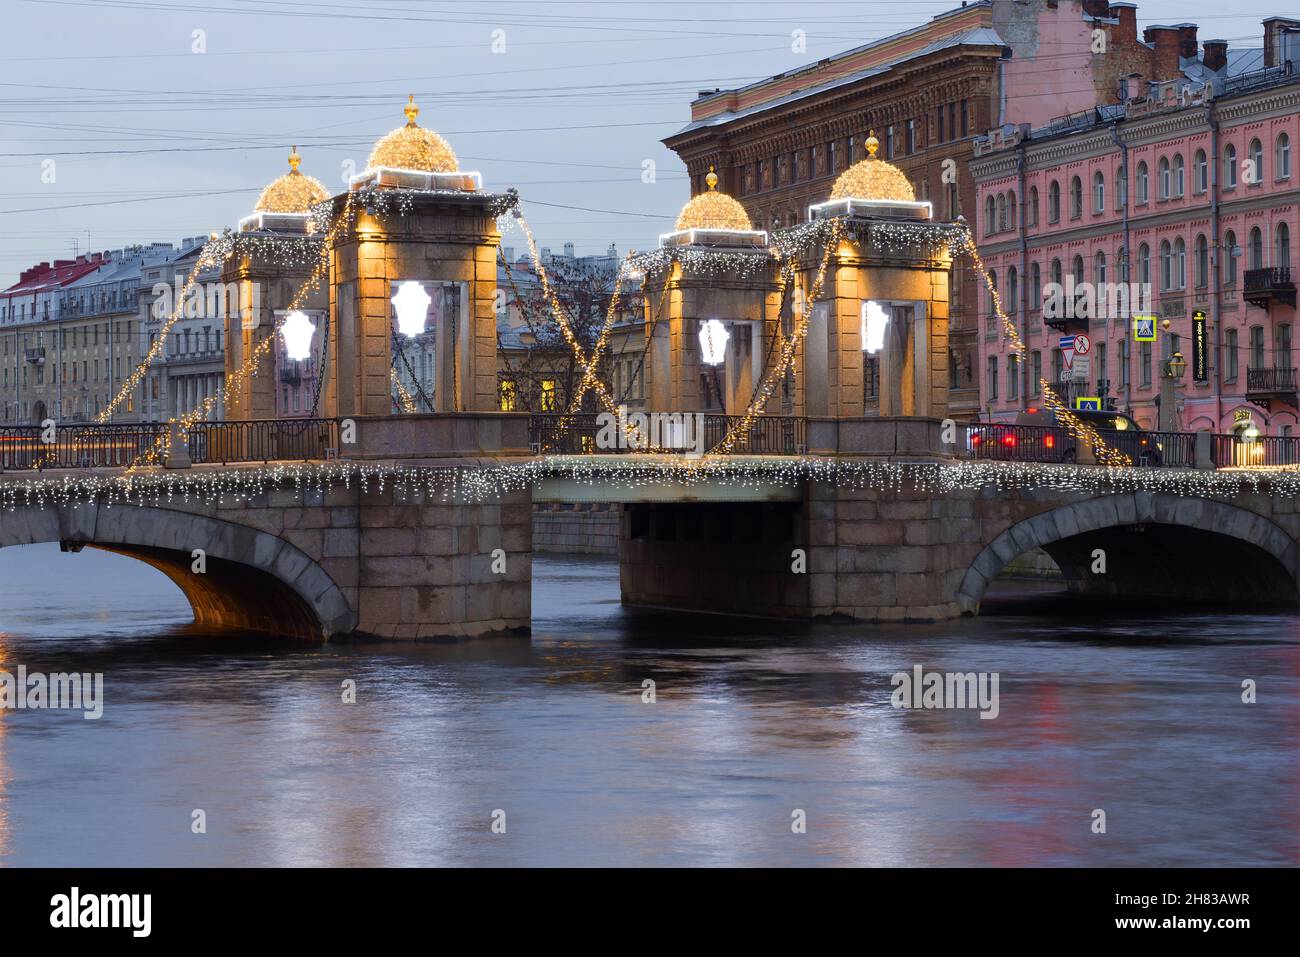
{"x":1082,"y":345}
{"x":1088,"y":403}
{"x":1144,"y":328}
{"x":1081,"y":368}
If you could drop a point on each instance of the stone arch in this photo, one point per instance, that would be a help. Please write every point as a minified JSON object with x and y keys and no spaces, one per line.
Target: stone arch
{"x":255,"y":581}
{"x":1131,"y":510}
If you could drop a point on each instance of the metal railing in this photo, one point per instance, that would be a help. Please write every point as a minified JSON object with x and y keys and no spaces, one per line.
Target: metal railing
{"x":1173,"y":449}
{"x":1261,"y":381}
{"x":1227,"y":451}
{"x":76,"y":446}
{"x":591,"y":433}
{"x":263,"y":440}
{"x":1270,"y":277}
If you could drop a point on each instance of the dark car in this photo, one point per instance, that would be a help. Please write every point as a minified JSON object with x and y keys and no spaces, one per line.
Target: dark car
{"x":1117,"y":430}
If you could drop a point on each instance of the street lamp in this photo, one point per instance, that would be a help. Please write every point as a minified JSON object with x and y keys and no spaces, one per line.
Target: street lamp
{"x":1175,"y":366}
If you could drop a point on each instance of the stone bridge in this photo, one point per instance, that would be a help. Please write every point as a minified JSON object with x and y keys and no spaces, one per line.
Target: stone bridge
{"x":875,"y":523}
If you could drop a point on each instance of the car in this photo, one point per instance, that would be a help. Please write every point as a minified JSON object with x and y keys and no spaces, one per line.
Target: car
{"x":1117,"y":430}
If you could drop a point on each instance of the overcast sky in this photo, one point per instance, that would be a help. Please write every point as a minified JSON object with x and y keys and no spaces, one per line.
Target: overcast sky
{"x":153,"y":141}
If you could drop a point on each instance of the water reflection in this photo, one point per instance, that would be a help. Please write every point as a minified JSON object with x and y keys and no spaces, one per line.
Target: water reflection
{"x":1139,"y":715}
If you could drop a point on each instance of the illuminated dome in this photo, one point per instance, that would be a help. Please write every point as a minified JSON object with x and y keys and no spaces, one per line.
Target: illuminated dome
{"x":714,"y":210}
{"x":293,"y":192}
{"x":413,"y":147}
{"x":872,"y":178}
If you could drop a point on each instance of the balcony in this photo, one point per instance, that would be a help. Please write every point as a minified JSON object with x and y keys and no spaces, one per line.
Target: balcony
{"x":1263,"y":287}
{"x":35,"y":355}
{"x":1263,"y":386}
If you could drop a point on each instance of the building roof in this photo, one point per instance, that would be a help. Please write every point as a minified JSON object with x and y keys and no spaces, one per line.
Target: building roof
{"x":45,"y":277}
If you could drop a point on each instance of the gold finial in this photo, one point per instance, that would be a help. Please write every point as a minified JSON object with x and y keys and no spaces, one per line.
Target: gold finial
{"x":873,"y":144}
{"x":294,"y":159}
{"x":711,"y":179}
{"x":411,"y":111}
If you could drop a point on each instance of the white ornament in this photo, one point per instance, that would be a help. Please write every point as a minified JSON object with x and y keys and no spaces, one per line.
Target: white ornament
{"x":412,"y":305}
{"x":713,"y":341}
{"x":297,"y":332}
{"x":874,"y":322}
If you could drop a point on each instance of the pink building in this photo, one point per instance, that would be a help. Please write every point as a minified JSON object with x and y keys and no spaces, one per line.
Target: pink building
{"x":1183,"y":195}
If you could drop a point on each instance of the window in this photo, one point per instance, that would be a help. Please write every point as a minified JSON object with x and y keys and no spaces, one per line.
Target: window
{"x":1144,"y":264}
{"x":1144,"y":358}
{"x":1099,"y":267}
{"x":1230,"y":258}
{"x":1123,"y":363}
{"x":1282,"y":347}
{"x":1035,"y":287}
{"x":1143,"y":184}
{"x":993,"y":378}
{"x":1200,"y":173}
{"x":1180,"y":263}
{"x":1077,"y":271}
{"x":889,"y":142}
{"x":1180,"y":176}
{"x":1032,"y":212}
{"x":1202,"y":262}
{"x":1012,"y":221}
{"x":939,"y":125}
{"x":1231,"y":361}
{"x":1282,"y":246}
{"x":1256,"y":248}
{"x":1002,"y":212}
{"x":1036,"y":370}
{"x":993,"y":288}
{"x":1165,"y":179}
{"x":990,"y":215}
{"x":911,"y":137}
{"x":1102,"y":371}
{"x":1282,"y":157}
{"x":508,"y":395}
{"x":1054,"y":202}
{"x":1056,"y":272}
{"x":1013,"y":377}
{"x":1230,"y":167}
{"x":1098,"y":192}
{"x":965,"y":117}
{"x":1076,"y":198}
{"x":1256,"y":347}
{"x":1256,"y":154}
{"x":1013,"y":292}
{"x":547,"y":398}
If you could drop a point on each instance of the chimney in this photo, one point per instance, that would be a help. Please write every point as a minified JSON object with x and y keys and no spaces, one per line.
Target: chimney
{"x":1215,"y":56}
{"x":1126,"y":13}
{"x":1164,"y":59}
{"x":1187,"y":40}
{"x":568,"y":250}
{"x":1094,"y":8}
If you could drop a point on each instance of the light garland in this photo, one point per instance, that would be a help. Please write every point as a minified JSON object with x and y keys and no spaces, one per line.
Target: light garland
{"x":403,"y":394}
{"x":210,"y":485}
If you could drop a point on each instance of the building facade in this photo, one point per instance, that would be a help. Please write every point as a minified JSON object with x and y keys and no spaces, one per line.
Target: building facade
{"x":1182,"y":205}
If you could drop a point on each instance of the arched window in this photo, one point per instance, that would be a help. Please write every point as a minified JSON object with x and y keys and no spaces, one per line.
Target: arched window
{"x":1282,"y":157}
{"x":1143,"y":183}
{"x":1056,"y":272}
{"x":1077,"y":270}
{"x":1076,"y":198}
{"x":1166,"y":265}
{"x":1098,"y":192}
{"x":1013,"y":292}
{"x":1144,"y":264}
{"x":1200,"y":172}
{"x":1012,"y":220}
{"x":1035,"y":286}
{"x":1202,"y":261}
{"x":1163,"y":181}
{"x":1282,"y":246}
{"x":1180,"y":263}
{"x":1256,"y":154}
{"x":990,"y":216}
{"x":1256,"y":248}
{"x":1099,"y":267}
{"x":1180,"y":176}
{"x":1002,"y":212}
{"x":1229,"y":167}
{"x":1230,"y":258}
{"x":1033,"y":206}
{"x":993,"y":288}
{"x":1054,"y":202}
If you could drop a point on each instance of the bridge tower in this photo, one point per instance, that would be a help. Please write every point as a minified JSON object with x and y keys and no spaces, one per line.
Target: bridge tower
{"x":413,"y":283}
{"x":274,"y":251}
{"x":712,"y":309}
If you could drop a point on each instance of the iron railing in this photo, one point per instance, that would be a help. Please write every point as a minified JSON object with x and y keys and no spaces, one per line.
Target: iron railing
{"x":1269,"y":277}
{"x":1270,"y":381}
{"x":594,"y":433}
{"x":76,"y":446}
{"x":1227,"y":451}
{"x":1020,"y":443}
{"x":263,"y":440}
{"x":1173,"y":449}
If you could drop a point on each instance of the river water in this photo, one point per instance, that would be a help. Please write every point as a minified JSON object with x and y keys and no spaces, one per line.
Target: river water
{"x":1137,"y":715}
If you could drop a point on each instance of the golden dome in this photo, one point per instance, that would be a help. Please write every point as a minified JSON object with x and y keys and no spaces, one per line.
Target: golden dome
{"x":713,"y":210}
{"x":873,"y":178}
{"x":293,"y":192}
{"x":413,"y":147}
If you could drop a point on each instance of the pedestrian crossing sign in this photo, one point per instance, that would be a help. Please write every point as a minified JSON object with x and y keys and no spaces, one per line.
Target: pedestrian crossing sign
{"x":1088,"y":403}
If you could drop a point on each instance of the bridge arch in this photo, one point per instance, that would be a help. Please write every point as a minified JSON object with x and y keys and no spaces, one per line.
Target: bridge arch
{"x":1157,"y":545}
{"x":254,"y":581}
